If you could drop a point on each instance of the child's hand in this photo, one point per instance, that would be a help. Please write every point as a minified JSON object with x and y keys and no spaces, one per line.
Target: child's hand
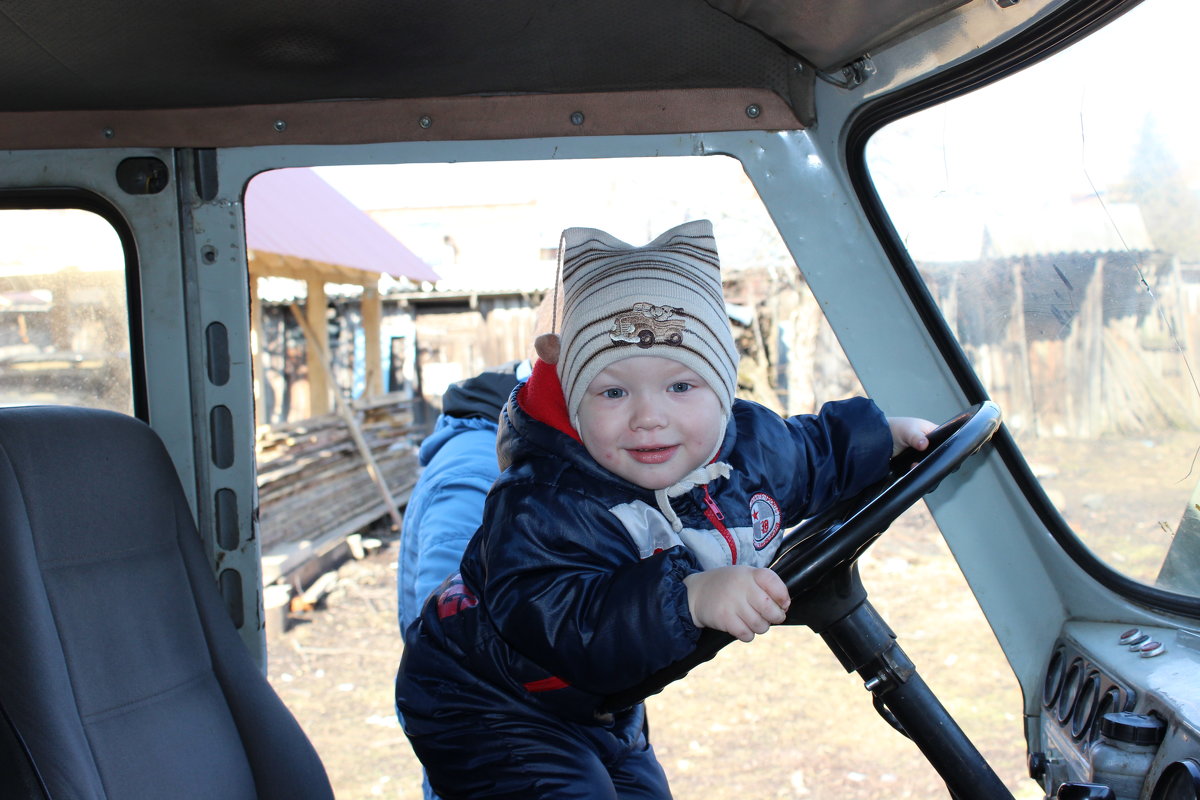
{"x":739,"y":600}
{"x":909,"y":432}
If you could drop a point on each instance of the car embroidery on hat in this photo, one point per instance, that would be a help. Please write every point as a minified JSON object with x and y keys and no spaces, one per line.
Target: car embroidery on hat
{"x":646,"y":324}
{"x":764,"y":518}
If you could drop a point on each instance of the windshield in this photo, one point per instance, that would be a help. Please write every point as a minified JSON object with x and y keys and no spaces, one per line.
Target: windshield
{"x":1055,"y":218}
{"x":491,"y":231}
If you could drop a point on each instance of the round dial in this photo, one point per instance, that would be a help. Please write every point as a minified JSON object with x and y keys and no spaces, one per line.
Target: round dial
{"x":1054,"y":678}
{"x":1070,"y":689}
{"x":1085,"y":706}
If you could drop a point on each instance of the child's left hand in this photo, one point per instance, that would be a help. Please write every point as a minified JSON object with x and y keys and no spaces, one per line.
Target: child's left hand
{"x":909,"y":432}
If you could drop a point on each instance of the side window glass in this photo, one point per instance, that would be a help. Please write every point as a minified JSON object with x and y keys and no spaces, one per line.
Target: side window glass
{"x":1055,"y":217}
{"x":64,"y":315}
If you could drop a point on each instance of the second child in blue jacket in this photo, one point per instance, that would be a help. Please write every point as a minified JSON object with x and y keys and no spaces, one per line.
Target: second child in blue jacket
{"x":642,"y":504}
{"x":458,"y":461}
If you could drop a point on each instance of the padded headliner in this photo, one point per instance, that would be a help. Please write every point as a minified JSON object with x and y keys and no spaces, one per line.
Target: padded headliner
{"x":141,"y":54}
{"x":78,"y":54}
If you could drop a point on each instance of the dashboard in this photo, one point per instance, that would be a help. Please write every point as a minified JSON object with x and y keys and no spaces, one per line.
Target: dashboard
{"x":1121,"y":707}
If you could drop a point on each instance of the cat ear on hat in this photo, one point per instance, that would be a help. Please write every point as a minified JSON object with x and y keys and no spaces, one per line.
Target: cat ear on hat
{"x":547,"y":347}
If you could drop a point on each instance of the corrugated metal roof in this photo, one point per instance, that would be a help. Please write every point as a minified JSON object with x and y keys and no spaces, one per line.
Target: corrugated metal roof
{"x":293,"y":212}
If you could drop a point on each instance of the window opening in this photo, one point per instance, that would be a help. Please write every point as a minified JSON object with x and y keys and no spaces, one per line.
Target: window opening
{"x":504,"y":221}
{"x":64,"y":312}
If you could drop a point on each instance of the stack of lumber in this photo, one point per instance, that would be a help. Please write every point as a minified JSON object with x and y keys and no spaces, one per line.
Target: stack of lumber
{"x":313,"y":484}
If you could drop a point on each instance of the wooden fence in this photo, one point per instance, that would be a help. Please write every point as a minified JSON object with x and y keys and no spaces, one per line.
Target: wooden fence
{"x":1077,"y":344}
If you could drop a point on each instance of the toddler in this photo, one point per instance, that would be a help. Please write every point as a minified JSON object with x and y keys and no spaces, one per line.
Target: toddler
{"x":641,"y":503}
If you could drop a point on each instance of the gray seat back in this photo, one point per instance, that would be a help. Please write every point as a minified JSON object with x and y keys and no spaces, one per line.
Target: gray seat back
{"x":121,"y":674}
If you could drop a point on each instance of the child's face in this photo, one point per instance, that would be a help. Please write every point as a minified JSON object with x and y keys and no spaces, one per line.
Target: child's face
{"x":650,"y":420}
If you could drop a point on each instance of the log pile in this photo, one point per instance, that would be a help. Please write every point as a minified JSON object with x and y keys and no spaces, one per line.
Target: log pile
{"x":312,"y":480}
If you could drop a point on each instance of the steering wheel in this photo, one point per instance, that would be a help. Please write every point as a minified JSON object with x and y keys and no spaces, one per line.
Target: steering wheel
{"x":829,"y":544}
{"x":842,"y":533}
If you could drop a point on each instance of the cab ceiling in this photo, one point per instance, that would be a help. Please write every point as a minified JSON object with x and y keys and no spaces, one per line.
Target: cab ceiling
{"x":147,"y":54}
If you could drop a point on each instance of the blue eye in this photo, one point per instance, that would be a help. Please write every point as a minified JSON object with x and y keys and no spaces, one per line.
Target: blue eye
{"x":681,"y":386}
{"x":613,"y":393}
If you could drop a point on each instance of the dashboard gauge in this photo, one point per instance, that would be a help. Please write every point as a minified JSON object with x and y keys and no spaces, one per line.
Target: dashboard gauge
{"x":1070,"y":688}
{"x":1085,"y":705}
{"x":1054,"y":678}
{"x":1180,"y":781}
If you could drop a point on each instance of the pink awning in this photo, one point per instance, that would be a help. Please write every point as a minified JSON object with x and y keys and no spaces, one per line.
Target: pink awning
{"x":293,"y":212}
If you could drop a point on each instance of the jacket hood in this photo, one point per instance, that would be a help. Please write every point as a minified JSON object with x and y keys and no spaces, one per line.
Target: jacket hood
{"x":473,"y":404}
{"x":483,"y":395}
{"x":445,"y":430}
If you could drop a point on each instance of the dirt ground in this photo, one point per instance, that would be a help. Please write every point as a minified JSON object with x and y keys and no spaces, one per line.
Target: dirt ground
{"x":775,"y":718}
{"x":778,"y":717}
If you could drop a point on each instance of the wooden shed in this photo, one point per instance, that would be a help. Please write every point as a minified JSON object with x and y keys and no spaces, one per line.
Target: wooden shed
{"x":300,"y":227}
{"x":325,"y":477}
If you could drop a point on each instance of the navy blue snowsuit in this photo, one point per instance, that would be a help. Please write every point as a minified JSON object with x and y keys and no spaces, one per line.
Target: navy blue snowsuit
{"x":572,"y":589}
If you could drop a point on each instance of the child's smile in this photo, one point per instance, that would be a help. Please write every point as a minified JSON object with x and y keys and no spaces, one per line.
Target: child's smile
{"x":650,"y":420}
{"x":653,"y":455}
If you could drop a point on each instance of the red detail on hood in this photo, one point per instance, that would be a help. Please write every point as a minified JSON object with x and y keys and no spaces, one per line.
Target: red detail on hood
{"x":542,"y":398}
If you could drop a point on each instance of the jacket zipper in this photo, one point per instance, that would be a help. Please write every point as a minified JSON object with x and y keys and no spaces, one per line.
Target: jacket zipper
{"x":713,"y":514}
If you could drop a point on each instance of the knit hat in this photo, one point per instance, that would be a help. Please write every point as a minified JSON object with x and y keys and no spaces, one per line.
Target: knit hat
{"x":662,"y":299}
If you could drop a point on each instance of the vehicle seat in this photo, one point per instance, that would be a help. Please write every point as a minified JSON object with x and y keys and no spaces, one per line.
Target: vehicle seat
{"x":121,"y":673}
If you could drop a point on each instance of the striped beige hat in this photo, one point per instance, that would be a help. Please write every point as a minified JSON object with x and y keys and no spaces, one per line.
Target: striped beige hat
{"x":661,"y":299}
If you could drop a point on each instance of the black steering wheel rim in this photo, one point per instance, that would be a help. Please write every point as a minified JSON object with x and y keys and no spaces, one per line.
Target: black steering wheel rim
{"x":833,"y":540}
{"x":843,"y":532}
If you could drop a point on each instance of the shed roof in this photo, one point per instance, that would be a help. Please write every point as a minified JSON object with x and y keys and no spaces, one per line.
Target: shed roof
{"x":297,"y":225}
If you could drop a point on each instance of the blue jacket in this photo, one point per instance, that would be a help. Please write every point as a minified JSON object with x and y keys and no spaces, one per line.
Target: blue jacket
{"x":459,"y":461}
{"x":572,"y":589}
{"x":445,"y":507}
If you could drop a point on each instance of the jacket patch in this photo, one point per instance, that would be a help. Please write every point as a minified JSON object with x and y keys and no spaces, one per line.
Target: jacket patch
{"x":453,"y":596}
{"x":765,"y":518}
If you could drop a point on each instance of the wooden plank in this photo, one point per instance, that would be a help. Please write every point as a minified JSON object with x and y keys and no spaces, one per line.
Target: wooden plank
{"x":316,"y":339}
{"x":351,"y":423}
{"x":312,"y":479}
{"x":372,"y":315}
